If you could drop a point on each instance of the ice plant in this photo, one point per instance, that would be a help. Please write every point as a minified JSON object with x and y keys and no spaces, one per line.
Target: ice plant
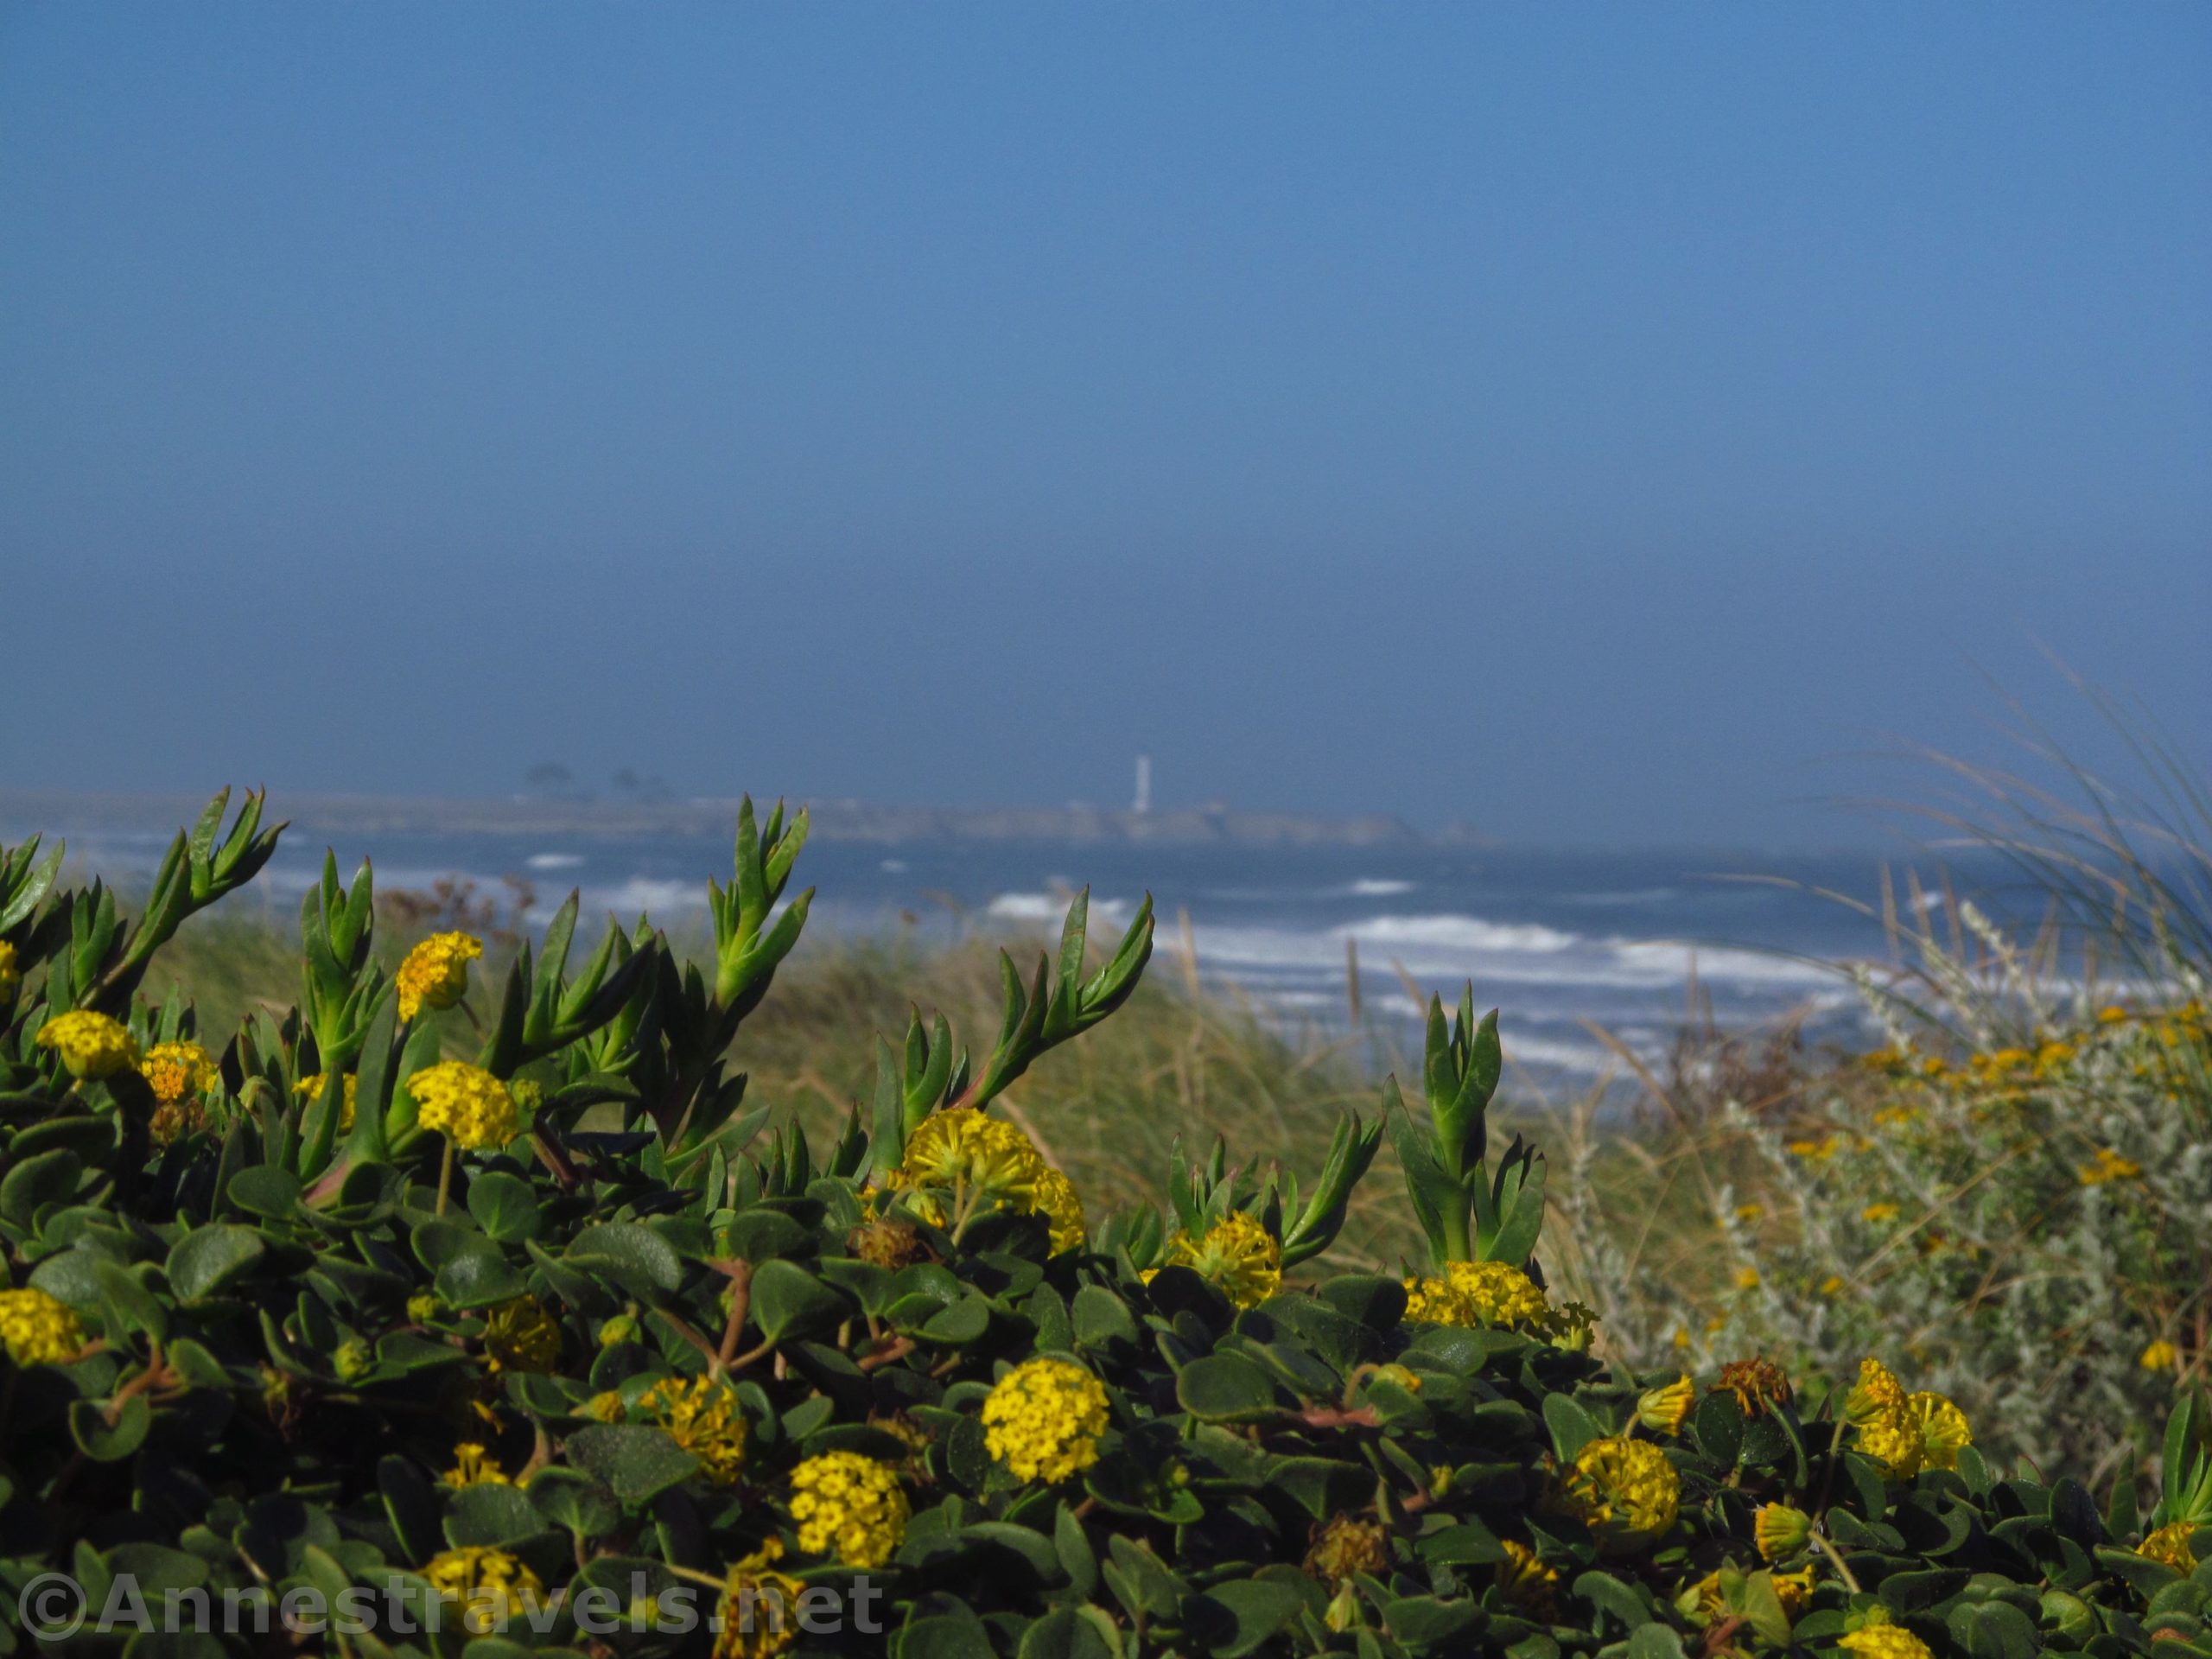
{"x":1043,"y":1419}
{"x":849,"y":1507}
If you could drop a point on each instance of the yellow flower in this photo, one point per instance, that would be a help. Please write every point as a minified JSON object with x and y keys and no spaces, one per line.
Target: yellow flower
{"x":1237,"y":1254}
{"x":2161,"y":1356}
{"x":1749,"y":1213}
{"x":309,"y":1088}
{"x":759,"y":1615}
{"x":1904,"y":1434}
{"x":1479,"y":1293}
{"x":91,"y":1045}
{"x":172,"y":1070}
{"x":1832,"y":1284}
{"x":39,"y":1330}
{"x":962,"y":1150}
{"x":2170,"y":1545}
{"x":1876,"y":1394}
{"x":848,"y":1506}
{"x":2108,"y":1165}
{"x":521,"y":1336}
{"x":1663,"y":1410}
{"x":1625,"y":1490}
{"x":422,"y":1308}
{"x":1059,"y":1203}
{"x":435,"y":973}
{"x":1527,"y":1583}
{"x":1346,"y":1545}
{"x":1780,"y":1531}
{"x":1878,"y":1213}
{"x":1406,"y":1379}
{"x":491,"y":1586}
{"x":1043,"y":1419}
{"x":10,"y":976}
{"x":605,"y":1407}
{"x":465,"y":1104}
{"x":702,"y":1416}
{"x":1883,"y":1640}
{"x":474,"y":1466}
{"x":1747,"y":1278}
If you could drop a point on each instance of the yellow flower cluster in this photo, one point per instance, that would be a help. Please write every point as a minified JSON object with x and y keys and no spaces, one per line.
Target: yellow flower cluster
{"x":1043,"y":1419}
{"x":1625,"y":1490}
{"x":1527,"y":1583}
{"x":39,"y":1330}
{"x":2161,"y":1356}
{"x":1883,"y":1640}
{"x":91,"y":1045}
{"x":521,"y":1336}
{"x":491,"y":1586}
{"x":465,"y":1104}
{"x":850,"y":1507}
{"x":963,"y":1153}
{"x":2170,"y":1545}
{"x":2108,"y":1165}
{"x":1479,"y":1293}
{"x":1904,"y":1434}
{"x":10,"y":975}
{"x":1238,"y":1254}
{"x":702,"y":1416}
{"x":472,"y":1466}
{"x":172,"y":1070}
{"x":309,"y":1088}
{"x":759,"y":1615}
{"x":435,"y":972}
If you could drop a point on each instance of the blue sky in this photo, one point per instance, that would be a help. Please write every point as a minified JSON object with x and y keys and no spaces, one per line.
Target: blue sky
{"x":1599,"y":423}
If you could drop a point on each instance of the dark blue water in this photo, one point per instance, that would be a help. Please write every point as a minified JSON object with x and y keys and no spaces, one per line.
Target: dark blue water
{"x":1558,"y":940}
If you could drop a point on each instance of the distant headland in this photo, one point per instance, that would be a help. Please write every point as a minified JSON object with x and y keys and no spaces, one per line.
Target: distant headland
{"x":848,"y":820}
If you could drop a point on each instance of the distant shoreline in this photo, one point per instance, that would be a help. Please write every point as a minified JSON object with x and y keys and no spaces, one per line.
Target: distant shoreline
{"x":830,"y":820}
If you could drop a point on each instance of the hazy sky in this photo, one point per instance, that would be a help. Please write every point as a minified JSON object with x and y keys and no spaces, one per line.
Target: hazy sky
{"x":1595,"y":422}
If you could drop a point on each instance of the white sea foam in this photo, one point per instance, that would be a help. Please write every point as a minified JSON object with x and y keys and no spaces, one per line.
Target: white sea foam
{"x":554,"y":861}
{"x":651,"y":894}
{"x":1458,"y":933}
{"x":1375,"y":886}
{"x":1052,"y":906}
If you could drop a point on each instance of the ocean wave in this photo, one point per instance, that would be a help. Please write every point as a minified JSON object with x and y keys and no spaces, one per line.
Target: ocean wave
{"x":648,"y":895}
{"x":1458,"y":933}
{"x":1054,"y":906}
{"x":1377,"y":887}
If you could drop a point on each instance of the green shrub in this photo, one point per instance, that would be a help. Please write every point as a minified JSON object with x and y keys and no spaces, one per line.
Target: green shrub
{"x":524,"y":1314}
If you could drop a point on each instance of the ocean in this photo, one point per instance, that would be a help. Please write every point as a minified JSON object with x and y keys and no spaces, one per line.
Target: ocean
{"x":1560,"y":941}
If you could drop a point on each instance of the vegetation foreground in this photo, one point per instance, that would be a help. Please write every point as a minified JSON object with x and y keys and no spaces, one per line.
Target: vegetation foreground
{"x":520,"y":1326}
